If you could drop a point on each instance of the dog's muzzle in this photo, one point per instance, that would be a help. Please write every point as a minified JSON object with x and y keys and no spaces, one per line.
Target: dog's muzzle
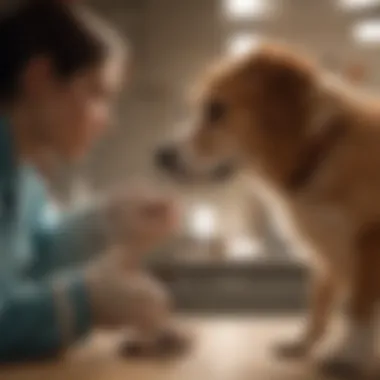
{"x":168,"y":159}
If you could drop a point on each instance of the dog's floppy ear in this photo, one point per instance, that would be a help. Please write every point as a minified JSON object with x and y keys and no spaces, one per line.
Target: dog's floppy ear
{"x":285,"y":92}
{"x":322,"y":115}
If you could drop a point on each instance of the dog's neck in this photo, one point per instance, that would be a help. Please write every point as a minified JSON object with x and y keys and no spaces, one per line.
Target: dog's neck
{"x":313,"y":154}
{"x":291,"y":166}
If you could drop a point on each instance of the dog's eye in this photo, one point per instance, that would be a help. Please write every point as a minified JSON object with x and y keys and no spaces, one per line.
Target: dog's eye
{"x":215,"y":111}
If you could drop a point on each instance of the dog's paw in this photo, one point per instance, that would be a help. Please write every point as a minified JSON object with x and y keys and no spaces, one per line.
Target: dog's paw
{"x":135,"y":348}
{"x":340,"y":368}
{"x":353,"y":357}
{"x":168,"y":343}
{"x":173,"y":342}
{"x":292,"y":350}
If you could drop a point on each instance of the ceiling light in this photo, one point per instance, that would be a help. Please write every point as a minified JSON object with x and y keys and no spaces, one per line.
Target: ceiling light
{"x":242,"y":43}
{"x":367,"y":32}
{"x":358,"y":4}
{"x":240,"y":9}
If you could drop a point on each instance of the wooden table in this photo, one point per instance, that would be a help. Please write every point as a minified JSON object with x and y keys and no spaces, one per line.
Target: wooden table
{"x":225,"y":348}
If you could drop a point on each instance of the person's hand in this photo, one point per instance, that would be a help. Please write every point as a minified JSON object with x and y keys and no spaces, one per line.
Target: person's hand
{"x":140,"y":219}
{"x":120,"y":298}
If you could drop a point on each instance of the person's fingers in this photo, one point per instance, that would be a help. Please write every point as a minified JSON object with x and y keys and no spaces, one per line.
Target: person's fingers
{"x":157,"y":216}
{"x":143,"y":217}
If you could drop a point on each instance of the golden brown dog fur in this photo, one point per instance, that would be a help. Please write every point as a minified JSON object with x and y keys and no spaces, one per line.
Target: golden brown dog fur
{"x":279,"y":107}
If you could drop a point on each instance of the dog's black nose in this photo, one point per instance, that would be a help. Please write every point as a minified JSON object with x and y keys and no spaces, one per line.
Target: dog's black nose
{"x":223,"y":172}
{"x":167,"y":158}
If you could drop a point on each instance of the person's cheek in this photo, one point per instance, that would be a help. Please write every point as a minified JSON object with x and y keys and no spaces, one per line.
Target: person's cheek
{"x":100,"y":116}
{"x":76,"y":140}
{"x":85,"y":129}
{"x":90,"y":125}
{"x":68,"y":131}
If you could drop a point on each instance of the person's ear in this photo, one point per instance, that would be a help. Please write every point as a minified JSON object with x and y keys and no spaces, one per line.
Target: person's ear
{"x":38,"y":77}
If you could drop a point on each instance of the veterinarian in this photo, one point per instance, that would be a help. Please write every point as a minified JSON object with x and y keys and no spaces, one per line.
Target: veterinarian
{"x":60,"y":68}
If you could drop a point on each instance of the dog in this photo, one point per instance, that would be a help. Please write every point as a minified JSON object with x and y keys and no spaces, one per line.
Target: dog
{"x":311,"y":144}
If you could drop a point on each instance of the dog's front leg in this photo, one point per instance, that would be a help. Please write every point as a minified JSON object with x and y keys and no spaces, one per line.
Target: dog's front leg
{"x":357,"y":349}
{"x":324,"y":286}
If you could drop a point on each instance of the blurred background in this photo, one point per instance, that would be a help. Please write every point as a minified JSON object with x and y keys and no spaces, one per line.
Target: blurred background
{"x":231,"y":254}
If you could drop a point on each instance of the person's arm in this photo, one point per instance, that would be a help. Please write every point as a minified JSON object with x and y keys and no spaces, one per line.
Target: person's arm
{"x":72,"y":238}
{"x":37,"y":321}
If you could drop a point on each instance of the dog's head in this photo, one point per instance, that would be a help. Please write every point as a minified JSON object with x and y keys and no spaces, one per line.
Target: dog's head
{"x":257,"y":111}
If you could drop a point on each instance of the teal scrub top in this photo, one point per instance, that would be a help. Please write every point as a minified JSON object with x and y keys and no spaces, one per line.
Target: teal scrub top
{"x":36,"y":243}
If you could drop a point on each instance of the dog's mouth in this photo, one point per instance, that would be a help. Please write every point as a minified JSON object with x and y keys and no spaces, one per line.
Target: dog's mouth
{"x":169,"y":161}
{"x":223,"y":172}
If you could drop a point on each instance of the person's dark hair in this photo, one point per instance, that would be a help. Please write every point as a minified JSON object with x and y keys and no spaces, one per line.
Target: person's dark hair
{"x":71,"y":38}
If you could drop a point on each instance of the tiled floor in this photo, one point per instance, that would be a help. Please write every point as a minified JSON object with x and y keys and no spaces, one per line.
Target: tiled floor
{"x":225,"y":348}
